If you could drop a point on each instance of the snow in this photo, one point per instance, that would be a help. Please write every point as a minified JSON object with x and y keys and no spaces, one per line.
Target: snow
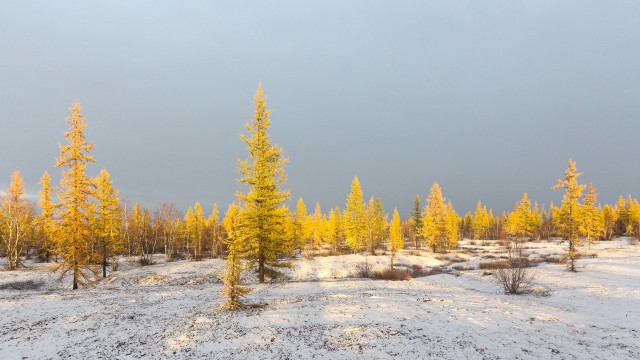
{"x":171,"y":310}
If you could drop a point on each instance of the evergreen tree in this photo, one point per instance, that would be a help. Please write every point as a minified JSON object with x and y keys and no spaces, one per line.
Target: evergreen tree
{"x":480,"y":222}
{"x":261,"y":220}
{"x":16,"y":221}
{"x":73,"y":238}
{"x":355,"y":218}
{"x":233,"y":289}
{"x":107,"y":224}
{"x":417,"y":224}
{"x":46,"y":220}
{"x":569,"y":213}
{"x":453,"y":225}
{"x":396,"y":242}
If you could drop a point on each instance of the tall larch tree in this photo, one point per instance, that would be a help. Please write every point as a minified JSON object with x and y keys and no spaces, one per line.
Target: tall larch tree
{"x":453,"y":225}
{"x":569,"y":212}
{"x":609,"y":219}
{"x":17,"y":221}
{"x":233,"y":290}
{"x":74,"y":242}
{"x":107,"y":221}
{"x":355,"y":218}
{"x":396,"y":241}
{"x":435,"y":221}
{"x":261,"y":218}
{"x":46,"y":220}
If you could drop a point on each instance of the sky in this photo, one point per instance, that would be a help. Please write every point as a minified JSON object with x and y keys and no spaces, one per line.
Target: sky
{"x":488,"y":98}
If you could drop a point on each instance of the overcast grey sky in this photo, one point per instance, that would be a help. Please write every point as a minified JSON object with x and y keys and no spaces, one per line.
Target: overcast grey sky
{"x":489,"y":98}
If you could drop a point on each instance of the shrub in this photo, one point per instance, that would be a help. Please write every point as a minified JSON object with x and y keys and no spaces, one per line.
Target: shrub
{"x":463,"y":268}
{"x":22,"y":285}
{"x":363,"y":270}
{"x":146,"y":260}
{"x":394,"y":275}
{"x":493,"y":265}
{"x":633,"y":241}
{"x":515,"y":277}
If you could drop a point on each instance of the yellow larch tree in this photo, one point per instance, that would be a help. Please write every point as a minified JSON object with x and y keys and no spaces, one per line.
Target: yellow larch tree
{"x":569,"y":212}
{"x":592,"y":222}
{"x":46,"y":220}
{"x":74,"y":241}
{"x":396,"y":242}
{"x":107,"y":221}
{"x":233,"y":290}
{"x":436,"y":224}
{"x":355,"y":218}
{"x":317,"y":227}
{"x":261,"y":219}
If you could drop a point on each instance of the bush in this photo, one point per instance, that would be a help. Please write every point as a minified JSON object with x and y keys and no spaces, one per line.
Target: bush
{"x":146,"y":260}
{"x":515,"y":277}
{"x":394,"y":275}
{"x":363,"y":270}
{"x":493,"y":265}
{"x":633,"y":241}
{"x":22,"y":285}
{"x":463,"y":268}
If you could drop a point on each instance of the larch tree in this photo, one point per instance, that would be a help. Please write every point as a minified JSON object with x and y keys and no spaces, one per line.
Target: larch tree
{"x":569,"y":212}
{"x":317,"y":221}
{"x":233,"y":290}
{"x":302,"y":227}
{"x":453,"y":225}
{"x":107,"y":220}
{"x":609,"y":219}
{"x":355,"y":218}
{"x":335,"y":230}
{"x":261,"y":219}
{"x":592,"y":223}
{"x":417,"y":223}
{"x":396,"y":241}
{"x":480,"y":222}
{"x":74,"y":241}
{"x":17,"y":221}
{"x":46,"y":220}
{"x":435,"y":222}
{"x":198,"y":228}
{"x":213,"y":224}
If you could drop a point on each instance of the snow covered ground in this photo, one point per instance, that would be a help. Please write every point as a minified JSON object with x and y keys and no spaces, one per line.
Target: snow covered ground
{"x":171,"y":310}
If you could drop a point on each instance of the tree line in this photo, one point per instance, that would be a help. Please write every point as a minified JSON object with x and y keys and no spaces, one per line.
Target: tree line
{"x":89,"y":225}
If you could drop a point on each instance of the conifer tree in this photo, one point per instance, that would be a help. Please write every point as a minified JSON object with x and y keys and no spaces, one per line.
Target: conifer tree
{"x":609,"y":219}
{"x":73,"y":238}
{"x":521,"y":222}
{"x":436,"y":226}
{"x":354,"y":218}
{"x":396,"y":242}
{"x":170,"y":230}
{"x":213,"y":224}
{"x":16,"y":221}
{"x":302,"y":225}
{"x":317,"y":221}
{"x":335,"y":230}
{"x":46,"y":219}
{"x":107,"y":222}
{"x":261,"y":217}
{"x":467,"y":225}
{"x":198,"y":228}
{"x":569,"y":213}
{"x":480,"y":221}
{"x":417,"y":224}
{"x":453,"y":226}
{"x":233,"y":289}
{"x":592,"y":223}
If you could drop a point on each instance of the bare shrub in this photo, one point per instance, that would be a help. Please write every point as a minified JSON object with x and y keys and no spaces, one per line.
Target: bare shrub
{"x":394,"y":275}
{"x":146,"y":260}
{"x":633,"y":241}
{"x":22,"y":285}
{"x":515,"y":277}
{"x":493,"y":265}
{"x":485,"y":243}
{"x":472,"y":242}
{"x":363,"y":270}
{"x":463,"y":268}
